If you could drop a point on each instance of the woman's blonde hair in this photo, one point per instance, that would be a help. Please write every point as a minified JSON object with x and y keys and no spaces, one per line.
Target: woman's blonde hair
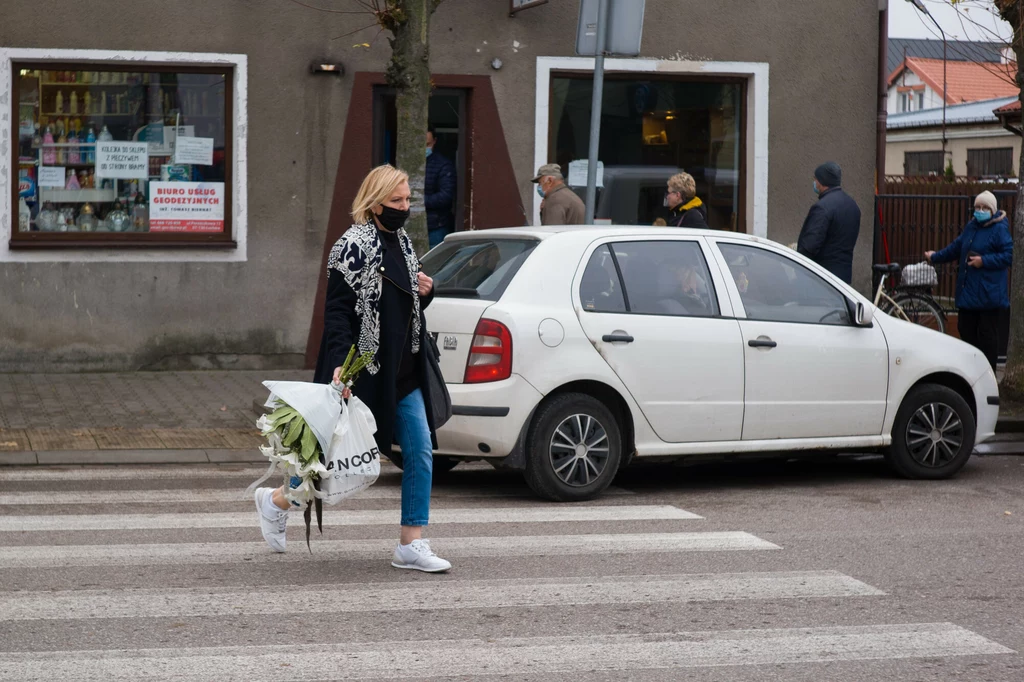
{"x":684,"y":184}
{"x":377,"y":188}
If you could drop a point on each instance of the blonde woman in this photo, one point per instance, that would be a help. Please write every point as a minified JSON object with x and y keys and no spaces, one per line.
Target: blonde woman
{"x":684,"y":206}
{"x":375,"y":300}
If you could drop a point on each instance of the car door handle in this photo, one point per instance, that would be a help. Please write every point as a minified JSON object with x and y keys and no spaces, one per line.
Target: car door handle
{"x":617,"y":338}
{"x":762,"y":342}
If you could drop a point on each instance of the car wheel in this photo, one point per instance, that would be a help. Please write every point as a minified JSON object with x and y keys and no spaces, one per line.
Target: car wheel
{"x":933,"y":436}
{"x":573,"y":449}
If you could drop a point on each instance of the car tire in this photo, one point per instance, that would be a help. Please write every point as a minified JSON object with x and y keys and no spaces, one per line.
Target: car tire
{"x":933,"y":435}
{"x":573,"y":449}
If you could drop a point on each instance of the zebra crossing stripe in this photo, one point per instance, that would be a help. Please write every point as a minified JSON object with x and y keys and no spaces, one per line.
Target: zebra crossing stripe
{"x":253,"y":553}
{"x":451,"y":594}
{"x":507,"y":656}
{"x":532,"y":514}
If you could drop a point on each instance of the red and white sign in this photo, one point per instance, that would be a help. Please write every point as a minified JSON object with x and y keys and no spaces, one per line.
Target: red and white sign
{"x":186,"y":207}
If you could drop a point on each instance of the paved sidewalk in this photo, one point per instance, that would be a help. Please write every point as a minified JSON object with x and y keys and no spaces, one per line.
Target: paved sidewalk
{"x":139,"y":417}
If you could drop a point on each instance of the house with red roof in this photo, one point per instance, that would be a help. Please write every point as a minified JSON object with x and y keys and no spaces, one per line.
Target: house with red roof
{"x":917,"y":83}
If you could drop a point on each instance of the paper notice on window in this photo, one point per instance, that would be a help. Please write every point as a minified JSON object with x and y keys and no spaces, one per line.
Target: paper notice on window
{"x":186,"y":207}
{"x":578,"y":173}
{"x":161,"y":138}
{"x":197,"y":151}
{"x":122,"y":160}
{"x":52,"y":176}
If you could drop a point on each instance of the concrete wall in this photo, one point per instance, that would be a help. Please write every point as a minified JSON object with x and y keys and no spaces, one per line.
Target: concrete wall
{"x":958,"y":141}
{"x":68,"y":315}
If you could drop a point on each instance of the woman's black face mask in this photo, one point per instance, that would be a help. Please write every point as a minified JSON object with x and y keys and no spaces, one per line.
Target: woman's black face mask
{"x":391,"y":218}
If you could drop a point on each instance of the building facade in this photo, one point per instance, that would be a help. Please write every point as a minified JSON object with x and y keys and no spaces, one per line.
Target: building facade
{"x":168,"y":193}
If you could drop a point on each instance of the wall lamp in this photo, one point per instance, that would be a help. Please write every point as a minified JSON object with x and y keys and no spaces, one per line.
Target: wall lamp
{"x":327,"y":68}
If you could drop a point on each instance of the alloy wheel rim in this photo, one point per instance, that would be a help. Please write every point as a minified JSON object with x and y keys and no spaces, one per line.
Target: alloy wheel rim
{"x":579,"y":449}
{"x":935,"y":435}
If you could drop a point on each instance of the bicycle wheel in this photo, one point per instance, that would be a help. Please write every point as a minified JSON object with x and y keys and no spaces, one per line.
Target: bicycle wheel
{"x":922,"y":310}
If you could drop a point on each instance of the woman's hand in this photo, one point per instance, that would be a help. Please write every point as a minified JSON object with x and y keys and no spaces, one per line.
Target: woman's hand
{"x":974,"y":261}
{"x":426,"y":284}
{"x":346,"y":393}
{"x":928,"y":255}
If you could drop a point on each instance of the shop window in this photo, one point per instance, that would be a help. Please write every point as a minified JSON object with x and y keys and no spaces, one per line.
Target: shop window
{"x":922,"y":163}
{"x":982,"y":163}
{"x":114,"y":156}
{"x":651,"y":129}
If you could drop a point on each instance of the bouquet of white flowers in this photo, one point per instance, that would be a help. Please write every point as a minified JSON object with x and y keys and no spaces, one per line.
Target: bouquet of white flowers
{"x":299,"y":431}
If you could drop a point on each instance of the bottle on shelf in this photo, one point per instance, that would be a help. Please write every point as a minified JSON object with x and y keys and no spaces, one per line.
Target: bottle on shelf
{"x":62,"y":152}
{"x":140,"y":214}
{"x":59,"y":104}
{"x":90,"y":146}
{"x":59,"y":127}
{"x":118,"y":219}
{"x":74,"y":102}
{"x":72,"y":181}
{"x":86,"y":221}
{"x":62,"y":222}
{"x":74,"y":154}
{"x":49,"y":153}
{"x":105,"y":135}
{"x":24,"y":216}
{"x":47,"y":219}
{"x":37,"y":138}
{"x":87,"y":100}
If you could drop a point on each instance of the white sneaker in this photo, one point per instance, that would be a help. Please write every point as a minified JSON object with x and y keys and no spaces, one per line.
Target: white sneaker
{"x":273,"y":521}
{"x":418,"y":556}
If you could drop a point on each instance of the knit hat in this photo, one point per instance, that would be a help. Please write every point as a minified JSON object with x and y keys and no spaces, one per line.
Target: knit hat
{"x":988,"y":200}
{"x":829,"y":174}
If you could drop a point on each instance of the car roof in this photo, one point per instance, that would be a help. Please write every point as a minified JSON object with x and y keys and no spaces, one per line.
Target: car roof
{"x":595,"y":231}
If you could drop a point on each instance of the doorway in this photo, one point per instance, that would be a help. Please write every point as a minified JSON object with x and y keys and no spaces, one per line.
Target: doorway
{"x":447,"y":115}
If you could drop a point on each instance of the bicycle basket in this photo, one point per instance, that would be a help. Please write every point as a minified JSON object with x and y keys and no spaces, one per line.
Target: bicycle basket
{"x":919,"y":275}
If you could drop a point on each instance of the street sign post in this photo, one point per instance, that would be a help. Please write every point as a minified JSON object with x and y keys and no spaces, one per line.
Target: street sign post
{"x":605,"y":27}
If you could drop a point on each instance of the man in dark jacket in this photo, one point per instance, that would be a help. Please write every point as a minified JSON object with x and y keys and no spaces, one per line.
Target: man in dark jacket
{"x":983,"y":253}
{"x":438,"y":193}
{"x":832,"y":225}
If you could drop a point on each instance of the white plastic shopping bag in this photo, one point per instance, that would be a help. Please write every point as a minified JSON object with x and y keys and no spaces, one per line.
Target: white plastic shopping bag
{"x":317,"y":403}
{"x":353,"y":459}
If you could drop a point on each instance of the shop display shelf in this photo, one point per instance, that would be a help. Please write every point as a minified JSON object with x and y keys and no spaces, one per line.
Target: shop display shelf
{"x":77,"y":196}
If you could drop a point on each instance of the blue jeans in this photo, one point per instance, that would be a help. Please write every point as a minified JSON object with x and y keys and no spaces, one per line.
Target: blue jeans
{"x":436,"y":236}
{"x":413,"y":435}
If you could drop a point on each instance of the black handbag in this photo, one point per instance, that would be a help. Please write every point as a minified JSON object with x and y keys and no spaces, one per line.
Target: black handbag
{"x":440,"y":400}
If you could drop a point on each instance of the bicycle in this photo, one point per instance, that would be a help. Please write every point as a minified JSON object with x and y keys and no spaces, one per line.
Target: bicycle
{"x":912,"y":304}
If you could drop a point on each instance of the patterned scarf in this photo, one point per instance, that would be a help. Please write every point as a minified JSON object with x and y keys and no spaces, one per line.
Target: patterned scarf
{"x":358,"y":256}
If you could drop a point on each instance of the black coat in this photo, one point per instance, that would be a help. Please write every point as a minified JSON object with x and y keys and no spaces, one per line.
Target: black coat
{"x":341,"y":330}
{"x":439,"y":193}
{"x":830,"y":233}
{"x":696,"y":217}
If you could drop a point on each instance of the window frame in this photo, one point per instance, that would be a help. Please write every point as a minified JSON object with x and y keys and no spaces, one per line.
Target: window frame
{"x":917,"y":155}
{"x":987,"y":155}
{"x":714,"y":288}
{"x":129,"y":240}
{"x":740,"y":226}
{"x":737,"y":298}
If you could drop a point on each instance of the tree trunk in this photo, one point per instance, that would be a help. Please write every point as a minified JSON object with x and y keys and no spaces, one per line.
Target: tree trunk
{"x":409,"y":73}
{"x":1013,"y":381}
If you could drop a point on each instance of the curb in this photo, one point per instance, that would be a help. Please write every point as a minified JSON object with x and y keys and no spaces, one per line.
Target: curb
{"x":1010,"y":425}
{"x":130,"y":457}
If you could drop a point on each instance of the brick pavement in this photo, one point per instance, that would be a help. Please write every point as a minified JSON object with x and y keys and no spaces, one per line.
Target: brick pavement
{"x":93,"y":414}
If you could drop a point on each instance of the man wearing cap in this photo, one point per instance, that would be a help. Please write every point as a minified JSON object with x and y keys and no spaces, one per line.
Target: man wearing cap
{"x":832,"y":225}
{"x":561,"y":206}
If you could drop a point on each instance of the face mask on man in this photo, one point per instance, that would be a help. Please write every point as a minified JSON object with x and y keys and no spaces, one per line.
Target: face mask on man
{"x":540,"y":191}
{"x":430,"y":150}
{"x":392,"y":219}
{"x":814,"y":183}
{"x":983,"y":216}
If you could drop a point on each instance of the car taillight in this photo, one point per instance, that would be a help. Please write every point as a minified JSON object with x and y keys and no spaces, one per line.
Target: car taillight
{"x":490,"y":356}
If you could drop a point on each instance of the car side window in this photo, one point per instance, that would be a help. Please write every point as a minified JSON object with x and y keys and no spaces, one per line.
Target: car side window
{"x":778,"y":289}
{"x":600,"y":291}
{"x":666,"y":278}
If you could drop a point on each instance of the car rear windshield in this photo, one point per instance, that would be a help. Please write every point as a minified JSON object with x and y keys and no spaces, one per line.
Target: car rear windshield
{"x":476,"y":268}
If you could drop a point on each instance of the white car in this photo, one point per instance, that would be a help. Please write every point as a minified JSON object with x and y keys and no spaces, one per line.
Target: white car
{"x":569,"y":351}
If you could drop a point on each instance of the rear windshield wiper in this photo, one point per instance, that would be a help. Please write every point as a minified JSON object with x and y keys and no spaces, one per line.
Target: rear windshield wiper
{"x":459,"y":292}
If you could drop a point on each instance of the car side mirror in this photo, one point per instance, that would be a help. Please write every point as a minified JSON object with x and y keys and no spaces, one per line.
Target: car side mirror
{"x":862,"y":314}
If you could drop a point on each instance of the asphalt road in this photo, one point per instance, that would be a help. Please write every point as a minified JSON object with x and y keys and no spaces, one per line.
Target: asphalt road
{"x":831,"y":570}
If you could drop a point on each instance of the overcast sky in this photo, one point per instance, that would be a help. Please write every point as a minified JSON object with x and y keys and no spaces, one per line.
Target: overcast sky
{"x":905,"y":21}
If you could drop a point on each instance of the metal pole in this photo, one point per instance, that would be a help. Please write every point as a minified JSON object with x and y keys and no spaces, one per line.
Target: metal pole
{"x":595,"y":111}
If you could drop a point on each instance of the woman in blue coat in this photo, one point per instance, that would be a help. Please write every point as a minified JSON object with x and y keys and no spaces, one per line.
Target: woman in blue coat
{"x":984,"y":253}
